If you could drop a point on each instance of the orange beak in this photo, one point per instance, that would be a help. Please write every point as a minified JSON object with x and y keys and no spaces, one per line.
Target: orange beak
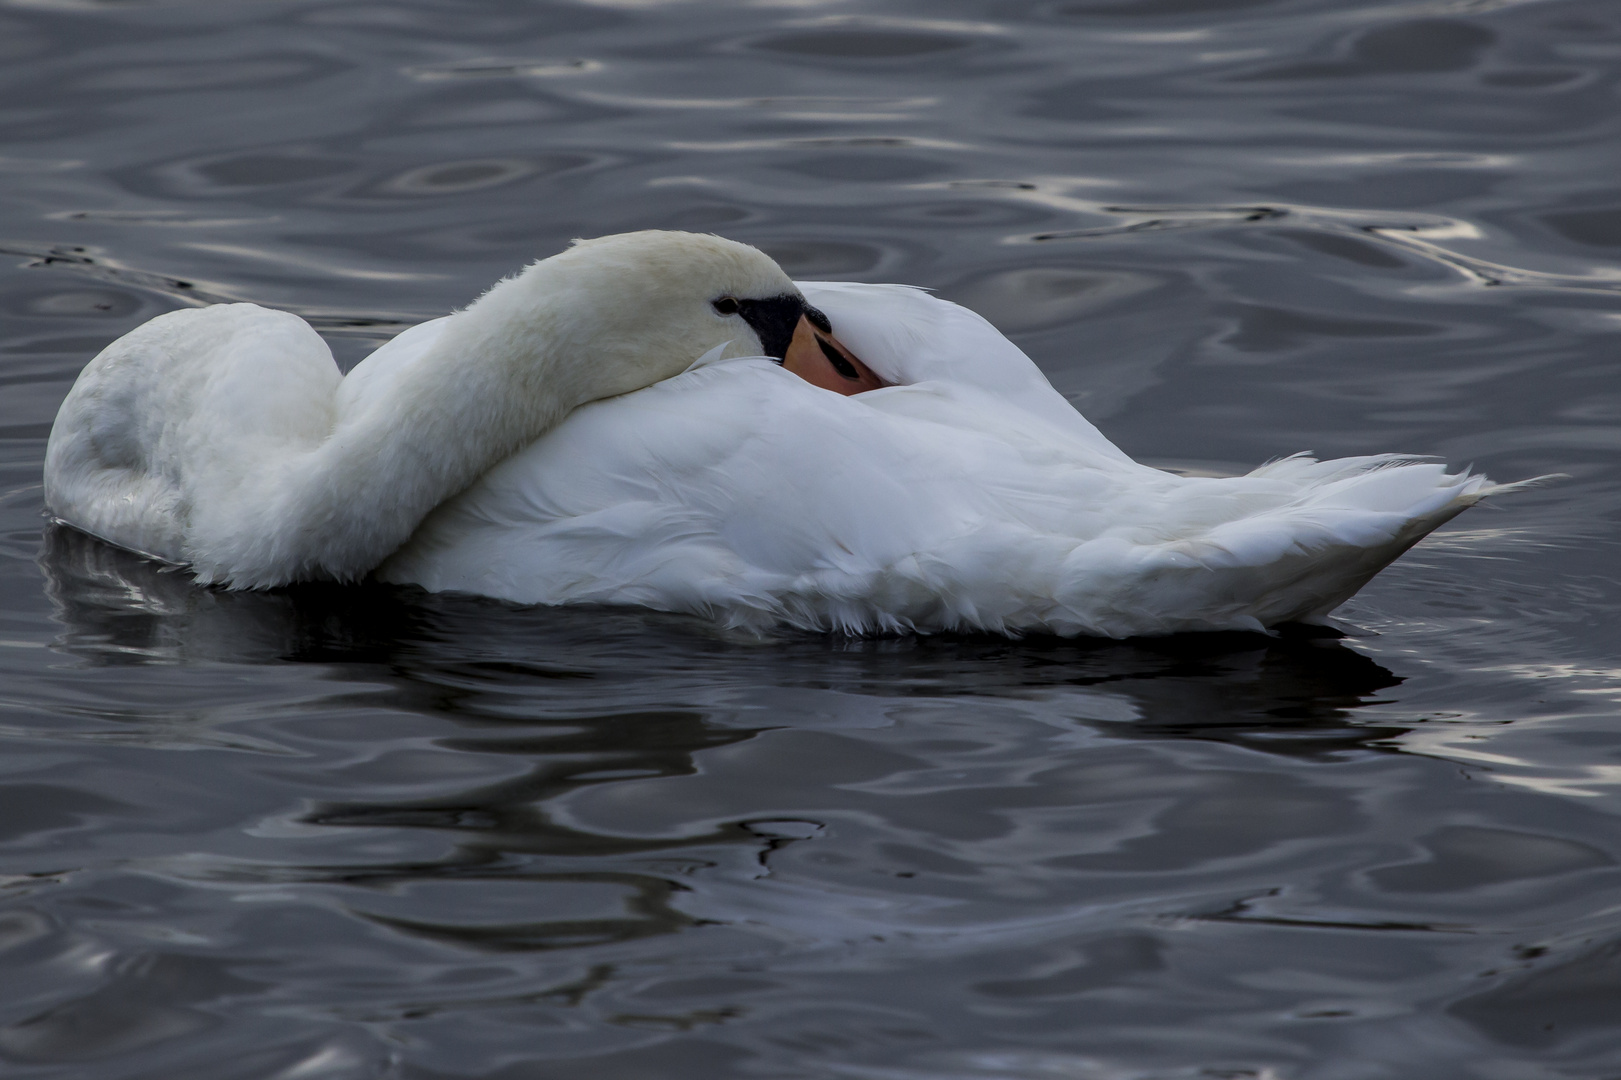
{"x":821,"y":360}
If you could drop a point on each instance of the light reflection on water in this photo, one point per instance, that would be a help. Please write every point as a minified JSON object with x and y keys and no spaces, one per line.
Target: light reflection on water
{"x":369,"y":832}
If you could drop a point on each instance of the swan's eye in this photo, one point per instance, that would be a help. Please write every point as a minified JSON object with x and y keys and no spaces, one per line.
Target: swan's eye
{"x":726,"y":305}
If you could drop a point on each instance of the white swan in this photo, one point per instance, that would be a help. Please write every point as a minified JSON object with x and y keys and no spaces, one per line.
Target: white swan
{"x":474,"y":453}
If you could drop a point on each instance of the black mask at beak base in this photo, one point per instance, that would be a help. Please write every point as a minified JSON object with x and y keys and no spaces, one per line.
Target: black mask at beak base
{"x":774,"y":320}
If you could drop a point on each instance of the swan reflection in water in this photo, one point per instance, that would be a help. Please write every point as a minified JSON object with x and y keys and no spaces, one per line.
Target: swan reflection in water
{"x":530,"y":721}
{"x":1293,"y":693}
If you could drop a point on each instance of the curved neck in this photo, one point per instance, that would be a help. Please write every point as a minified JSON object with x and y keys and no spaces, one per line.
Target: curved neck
{"x":474,"y":398}
{"x":490,"y":384}
{"x":423,"y":426}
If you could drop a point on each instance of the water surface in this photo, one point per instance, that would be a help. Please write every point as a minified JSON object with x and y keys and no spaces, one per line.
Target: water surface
{"x":368,"y":832}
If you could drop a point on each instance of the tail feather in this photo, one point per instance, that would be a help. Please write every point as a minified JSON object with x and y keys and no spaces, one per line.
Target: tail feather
{"x":1489,"y":489}
{"x":1296,"y":561}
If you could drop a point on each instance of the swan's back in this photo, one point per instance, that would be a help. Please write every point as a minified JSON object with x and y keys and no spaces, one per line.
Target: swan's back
{"x":972,"y":497}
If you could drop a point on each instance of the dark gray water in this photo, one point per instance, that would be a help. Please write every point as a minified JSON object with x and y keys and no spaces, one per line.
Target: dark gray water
{"x":345,"y":833}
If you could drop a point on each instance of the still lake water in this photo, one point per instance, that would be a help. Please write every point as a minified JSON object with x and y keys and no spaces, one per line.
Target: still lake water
{"x":355,"y":833}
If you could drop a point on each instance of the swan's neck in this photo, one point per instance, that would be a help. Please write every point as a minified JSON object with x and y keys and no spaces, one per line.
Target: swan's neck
{"x":500,"y":374}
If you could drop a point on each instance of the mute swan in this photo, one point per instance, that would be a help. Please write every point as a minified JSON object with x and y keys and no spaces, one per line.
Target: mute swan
{"x":622,"y":423}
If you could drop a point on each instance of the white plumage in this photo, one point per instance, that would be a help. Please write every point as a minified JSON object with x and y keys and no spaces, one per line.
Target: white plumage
{"x":475,"y":449}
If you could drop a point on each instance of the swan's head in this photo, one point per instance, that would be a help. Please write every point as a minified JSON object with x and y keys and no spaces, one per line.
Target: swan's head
{"x":694,"y":293}
{"x":623,"y":312}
